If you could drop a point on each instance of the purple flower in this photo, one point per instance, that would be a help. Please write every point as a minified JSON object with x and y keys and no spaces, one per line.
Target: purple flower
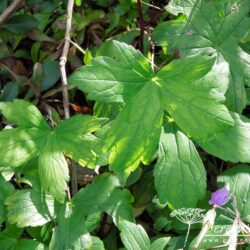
{"x":220,"y":197}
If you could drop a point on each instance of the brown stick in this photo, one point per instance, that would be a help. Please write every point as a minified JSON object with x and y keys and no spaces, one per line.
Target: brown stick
{"x":142,"y":26}
{"x":63,"y":61}
{"x":12,"y":8}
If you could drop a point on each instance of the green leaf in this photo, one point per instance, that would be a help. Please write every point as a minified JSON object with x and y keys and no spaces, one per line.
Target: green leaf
{"x":25,"y":244}
{"x":41,"y":233}
{"x":23,"y":114}
{"x":78,"y":2}
{"x":51,"y":74}
{"x":29,"y":208}
{"x":80,"y":125}
{"x":9,"y":92}
{"x":213,"y":27}
{"x":180,"y":177}
{"x":119,"y":206}
{"x":93,"y":195}
{"x":87,"y":57}
{"x":238,"y":179}
{"x":53,"y":168}
{"x":126,"y":55}
{"x":97,"y":244}
{"x":134,"y":236}
{"x":43,"y":20}
{"x":74,"y":140}
{"x":80,"y":21}
{"x":37,"y":139}
{"x":221,"y":144}
{"x":20,"y":23}
{"x":72,"y":229}
{"x":176,"y":7}
{"x":160,"y":243}
{"x":9,"y":240}
{"x":9,"y":237}
{"x":6,"y":190}
{"x":107,"y":110}
{"x":134,"y":135}
{"x":144,"y":191}
{"x":103,"y":195}
{"x":115,"y":77}
{"x":197,"y":109}
{"x":18,"y":145}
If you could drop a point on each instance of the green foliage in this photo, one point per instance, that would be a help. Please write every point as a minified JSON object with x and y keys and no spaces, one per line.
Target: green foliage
{"x":172,"y":88}
{"x":34,"y":138}
{"x":212,"y":27}
{"x":103,"y":195}
{"x":116,"y":76}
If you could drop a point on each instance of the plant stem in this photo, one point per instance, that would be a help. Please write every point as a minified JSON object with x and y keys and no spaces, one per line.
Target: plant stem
{"x":78,"y":47}
{"x":152,"y":6}
{"x":63,"y":61}
{"x":188,"y":231}
{"x":142,"y":26}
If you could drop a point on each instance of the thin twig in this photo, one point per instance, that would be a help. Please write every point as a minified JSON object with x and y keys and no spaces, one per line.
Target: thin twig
{"x":142,"y":26}
{"x":63,"y":58}
{"x":78,"y":47}
{"x":12,"y":8}
{"x":152,"y":6}
{"x":63,"y":61}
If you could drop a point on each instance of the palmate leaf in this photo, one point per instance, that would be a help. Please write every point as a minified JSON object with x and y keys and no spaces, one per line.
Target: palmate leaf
{"x":81,"y":217}
{"x":134,"y":134}
{"x":212,"y":27}
{"x":34,"y":138}
{"x":180,"y":177}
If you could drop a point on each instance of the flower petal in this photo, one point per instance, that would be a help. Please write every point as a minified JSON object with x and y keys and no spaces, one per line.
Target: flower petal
{"x":220,"y":197}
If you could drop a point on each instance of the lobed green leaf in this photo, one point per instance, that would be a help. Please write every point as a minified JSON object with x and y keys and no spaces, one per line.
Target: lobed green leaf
{"x":212,"y":27}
